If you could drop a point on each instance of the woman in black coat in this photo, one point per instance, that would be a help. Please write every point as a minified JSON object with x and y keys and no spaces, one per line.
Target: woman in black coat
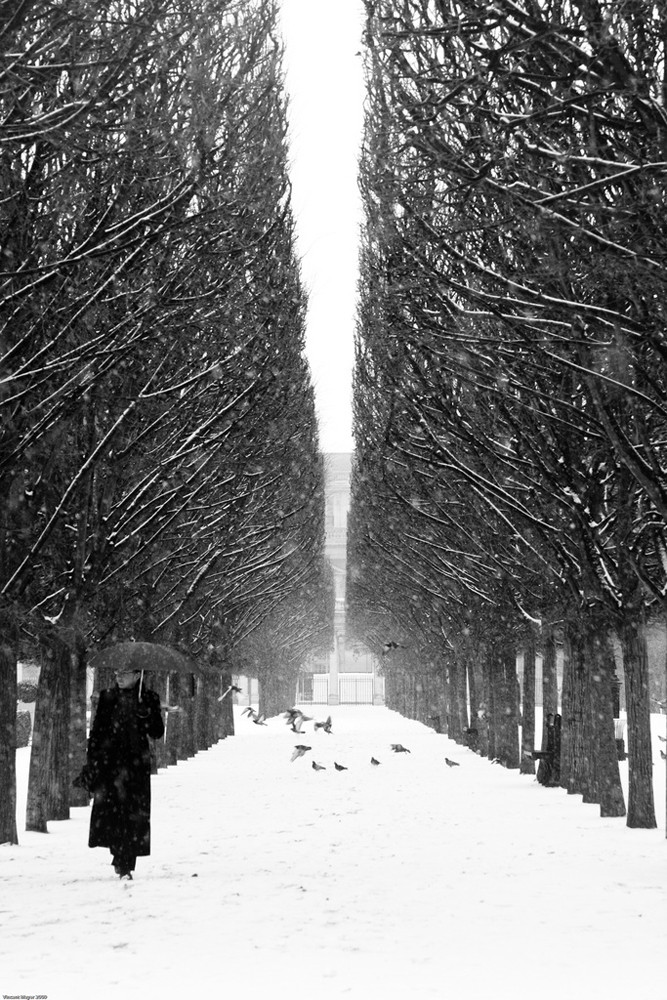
{"x":119,"y":770}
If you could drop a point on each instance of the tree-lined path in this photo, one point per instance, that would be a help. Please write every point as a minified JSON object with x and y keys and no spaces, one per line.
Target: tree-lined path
{"x":160,"y":472}
{"x":161,"y":480}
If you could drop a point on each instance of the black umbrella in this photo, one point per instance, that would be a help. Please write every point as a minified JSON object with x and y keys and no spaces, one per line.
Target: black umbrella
{"x":144,"y":656}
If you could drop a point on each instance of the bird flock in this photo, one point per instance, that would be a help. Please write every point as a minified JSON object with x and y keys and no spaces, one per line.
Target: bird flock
{"x":295,"y":719}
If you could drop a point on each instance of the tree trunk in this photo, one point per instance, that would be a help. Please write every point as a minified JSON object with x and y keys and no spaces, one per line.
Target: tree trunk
{"x":567,"y":718}
{"x":159,"y":752}
{"x":586,"y":678}
{"x":440,"y":701}
{"x":276,"y":693}
{"x":8,"y":831}
{"x":431,"y":702}
{"x":641,"y":808}
{"x":607,"y":778}
{"x":448,"y":699}
{"x":187,"y":703}
{"x":418,"y":698}
{"x":474,"y":684}
{"x":201,"y":714}
{"x":505,"y":714}
{"x":488,"y":736}
{"x":462,"y":692}
{"x":226,"y":715}
{"x":545,"y":769}
{"x":458,"y":711}
{"x":78,"y":729}
{"x":211,"y":685}
{"x":578,"y":777}
{"x":174,"y":721}
{"x":528,"y":708}
{"x":49,"y":775}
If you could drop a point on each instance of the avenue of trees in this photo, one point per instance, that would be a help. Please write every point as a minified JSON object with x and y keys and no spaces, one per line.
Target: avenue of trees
{"x":160,"y":472}
{"x":509,"y":491}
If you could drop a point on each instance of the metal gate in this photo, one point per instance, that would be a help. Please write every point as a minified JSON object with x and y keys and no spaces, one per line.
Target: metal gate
{"x":355,"y":690}
{"x":313,"y":689}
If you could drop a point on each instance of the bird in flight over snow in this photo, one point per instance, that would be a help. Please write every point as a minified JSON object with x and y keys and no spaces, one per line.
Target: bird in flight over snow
{"x":259,"y":720}
{"x":326,"y":725}
{"x":299,"y":751}
{"x":233,"y":688}
{"x":296,"y":718}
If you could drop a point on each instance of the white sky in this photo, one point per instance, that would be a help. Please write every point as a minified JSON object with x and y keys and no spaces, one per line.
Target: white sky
{"x":324,"y":78}
{"x":268,"y":880}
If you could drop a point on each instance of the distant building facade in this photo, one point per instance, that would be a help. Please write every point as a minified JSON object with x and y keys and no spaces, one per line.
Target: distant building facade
{"x":346,"y":676}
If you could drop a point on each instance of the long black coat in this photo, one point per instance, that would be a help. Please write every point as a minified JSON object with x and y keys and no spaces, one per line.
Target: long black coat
{"x":120,"y":769}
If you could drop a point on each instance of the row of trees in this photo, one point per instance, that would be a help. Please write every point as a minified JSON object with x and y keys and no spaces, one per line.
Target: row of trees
{"x":510,"y":487}
{"x":160,"y":473}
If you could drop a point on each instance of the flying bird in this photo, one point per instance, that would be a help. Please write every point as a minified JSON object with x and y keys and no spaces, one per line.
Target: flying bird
{"x":318,"y":767}
{"x":299,"y":751}
{"x":399,"y":748}
{"x":296,"y":718}
{"x":374,"y":761}
{"x":451,"y":763}
{"x":259,"y":720}
{"x":339,"y":767}
{"x":296,"y":713}
{"x":662,"y":739}
{"x":388,"y":646}
{"x":232,"y":687}
{"x":326,"y":725}
{"x":248,"y":711}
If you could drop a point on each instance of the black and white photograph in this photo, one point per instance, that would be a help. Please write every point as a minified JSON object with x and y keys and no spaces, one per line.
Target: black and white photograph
{"x":333,"y":499}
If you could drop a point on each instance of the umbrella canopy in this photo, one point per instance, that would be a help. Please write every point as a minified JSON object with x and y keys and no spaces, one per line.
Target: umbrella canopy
{"x":147,"y":656}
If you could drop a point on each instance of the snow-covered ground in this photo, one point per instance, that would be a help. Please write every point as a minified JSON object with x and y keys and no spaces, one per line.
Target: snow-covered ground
{"x":410,"y":880}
